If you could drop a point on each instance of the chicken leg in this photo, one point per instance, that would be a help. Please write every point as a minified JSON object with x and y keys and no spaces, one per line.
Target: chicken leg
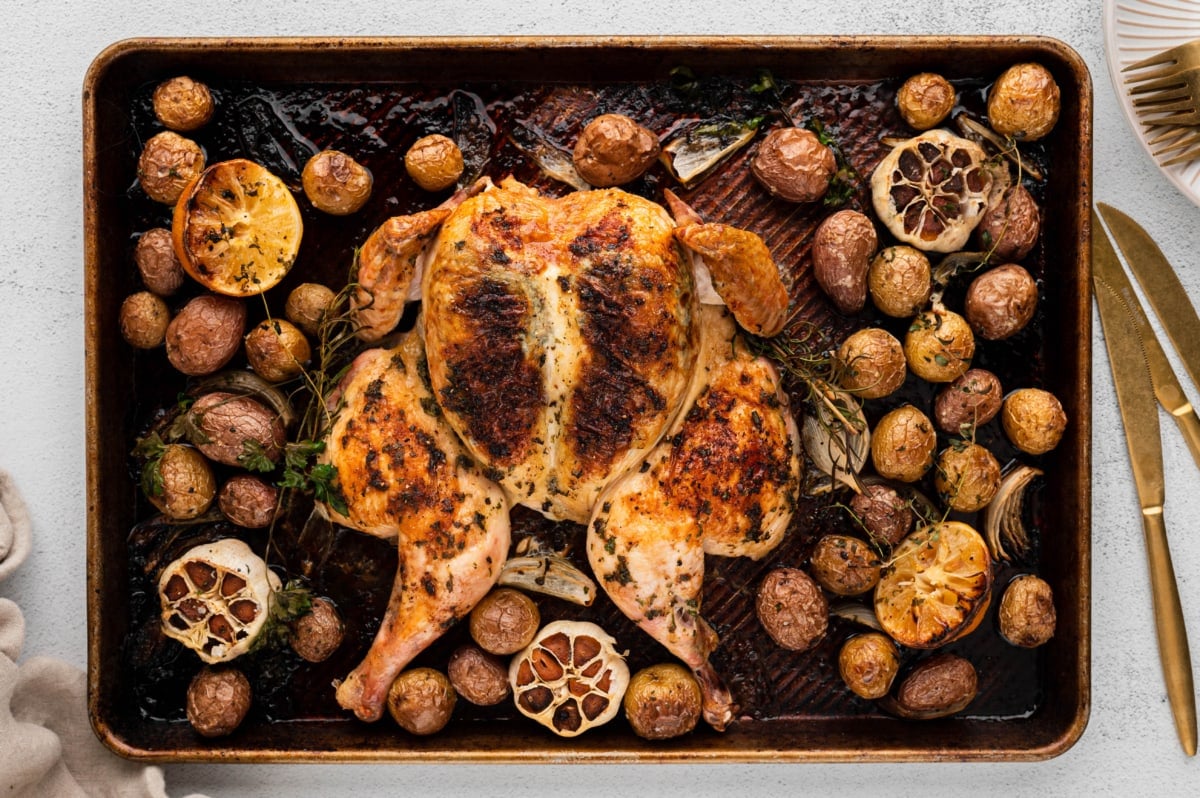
{"x":403,"y":474}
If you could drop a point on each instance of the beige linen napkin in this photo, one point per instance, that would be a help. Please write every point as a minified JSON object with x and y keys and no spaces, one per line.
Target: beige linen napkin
{"x":47,"y":748}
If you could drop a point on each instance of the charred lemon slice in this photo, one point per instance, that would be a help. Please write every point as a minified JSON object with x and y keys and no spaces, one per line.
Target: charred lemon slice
{"x":936,"y":586}
{"x":237,"y":228}
{"x":931,"y":191}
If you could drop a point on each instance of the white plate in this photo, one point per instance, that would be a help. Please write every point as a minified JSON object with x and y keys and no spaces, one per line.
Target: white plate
{"x":1137,"y":29}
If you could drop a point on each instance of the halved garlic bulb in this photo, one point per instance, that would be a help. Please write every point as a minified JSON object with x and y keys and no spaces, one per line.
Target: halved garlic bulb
{"x":570,"y":678}
{"x":216,"y":599}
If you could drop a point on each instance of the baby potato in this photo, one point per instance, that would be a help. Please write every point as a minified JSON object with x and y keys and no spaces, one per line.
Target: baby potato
{"x":844,"y":565}
{"x":939,"y":345}
{"x":1001,"y":302}
{"x":317,"y":634}
{"x":206,"y":334}
{"x":1010,"y":226}
{"x":969,"y":402}
{"x":434,"y":162}
{"x":168,"y":163}
{"x":794,"y":165}
{"x":941,"y":685}
{"x":841,"y":256}
{"x":218,"y":700}
{"x":248,"y":501}
{"x":478,"y":676}
{"x":883,"y":512}
{"x":307,"y":305}
{"x":229,"y":424}
{"x":925,"y":100}
{"x":868,"y":664}
{"x":1027,"y":615}
{"x":183,"y":104}
{"x":155,"y":257}
{"x":902,"y":444}
{"x":144,"y":319}
{"x":336,"y":183}
{"x":967,"y":477}
{"x":277,"y":350}
{"x":613,"y":150}
{"x":792,"y":609}
{"x":899,"y":281}
{"x":505,"y":621}
{"x":179,"y":482}
{"x":871,"y":363}
{"x":662,"y":701}
{"x":1024,"y":102}
{"x":1033,"y":419}
{"x":421,"y":700}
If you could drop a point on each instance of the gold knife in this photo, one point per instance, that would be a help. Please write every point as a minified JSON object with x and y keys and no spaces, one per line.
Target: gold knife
{"x":1174,"y":310}
{"x":1119,"y":311}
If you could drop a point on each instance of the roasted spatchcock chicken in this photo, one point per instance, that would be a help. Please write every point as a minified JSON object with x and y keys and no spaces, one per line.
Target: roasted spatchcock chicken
{"x":572,"y":356}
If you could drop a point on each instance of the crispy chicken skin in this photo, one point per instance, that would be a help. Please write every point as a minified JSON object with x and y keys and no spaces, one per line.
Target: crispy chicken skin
{"x":560,"y":337}
{"x":403,"y":474}
{"x":723,"y":481}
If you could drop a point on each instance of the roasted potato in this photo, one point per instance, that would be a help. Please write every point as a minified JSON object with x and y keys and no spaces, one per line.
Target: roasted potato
{"x":421,"y":700}
{"x":206,"y":334}
{"x":318,"y":633}
{"x":1010,"y":226}
{"x":871,"y":363}
{"x":434,"y":162}
{"x":248,"y":501}
{"x":925,"y":100}
{"x":939,"y":345}
{"x":662,"y":701}
{"x":144,"y":319}
{"x":478,"y":676}
{"x":883,"y":512}
{"x":168,"y":163}
{"x":1027,"y":614}
{"x":969,"y":402}
{"x":844,"y":565}
{"x":793,"y":164}
{"x":277,"y":350}
{"x":841,"y":256}
{"x":967,"y":476}
{"x":902,"y":444}
{"x":1024,"y":102}
{"x":179,"y":482}
{"x":336,"y":183}
{"x":183,"y":104}
{"x":156,"y":261}
{"x":236,"y":430}
{"x":218,"y":700}
{"x":899,"y":281}
{"x":1001,"y":302}
{"x":868,"y":664}
{"x":613,"y":150}
{"x":505,"y":621}
{"x":939,"y":686}
{"x":1033,"y":419}
{"x":792,"y":609}
{"x":307,"y":305}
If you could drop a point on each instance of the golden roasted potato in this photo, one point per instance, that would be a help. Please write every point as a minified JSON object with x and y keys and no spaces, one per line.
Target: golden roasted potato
{"x":939,"y":345}
{"x":871,"y":363}
{"x":144,"y":319}
{"x":868,"y":664}
{"x":336,"y":183}
{"x":967,"y":476}
{"x":1024,"y":102}
{"x":1027,"y":615}
{"x":662,"y":701}
{"x":168,"y":163}
{"x":613,"y":150}
{"x":183,"y":104}
{"x":1033,"y":419}
{"x":504,"y":621}
{"x":307,"y":305}
{"x":899,"y":281}
{"x":902,"y":444}
{"x":421,"y":700}
{"x":179,"y":482}
{"x":925,"y":100}
{"x":844,"y":565}
{"x":434,"y":162}
{"x":277,"y":350}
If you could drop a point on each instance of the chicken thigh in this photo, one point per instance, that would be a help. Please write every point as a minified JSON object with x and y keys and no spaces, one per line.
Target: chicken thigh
{"x":404,"y":475}
{"x":723,"y":481}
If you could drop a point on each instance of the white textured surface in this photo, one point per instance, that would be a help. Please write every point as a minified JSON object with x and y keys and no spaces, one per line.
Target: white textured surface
{"x":1129,"y":747}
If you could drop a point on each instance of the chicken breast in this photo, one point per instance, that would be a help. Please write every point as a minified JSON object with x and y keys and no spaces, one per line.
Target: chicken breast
{"x":403,"y":474}
{"x":724,"y":481}
{"x":560,"y":335}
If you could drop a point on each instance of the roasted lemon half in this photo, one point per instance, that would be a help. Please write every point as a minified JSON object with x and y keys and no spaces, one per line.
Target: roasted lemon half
{"x":936,"y":585}
{"x":237,"y":228}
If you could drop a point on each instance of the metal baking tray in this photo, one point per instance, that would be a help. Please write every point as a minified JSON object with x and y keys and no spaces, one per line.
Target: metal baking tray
{"x":273,"y":93}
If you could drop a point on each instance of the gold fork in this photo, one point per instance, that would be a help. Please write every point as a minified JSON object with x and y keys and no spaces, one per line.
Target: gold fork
{"x":1170,"y":100}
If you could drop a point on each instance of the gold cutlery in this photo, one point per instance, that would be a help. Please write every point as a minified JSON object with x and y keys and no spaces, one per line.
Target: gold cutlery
{"x":1168,"y":96}
{"x":1137,"y":361}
